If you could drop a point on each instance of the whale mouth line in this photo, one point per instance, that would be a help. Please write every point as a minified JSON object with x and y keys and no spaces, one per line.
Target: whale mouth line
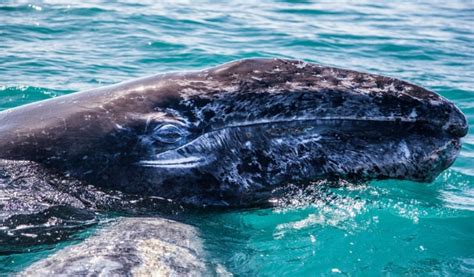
{"x":185,"y":162}
{"x":382,"y":121}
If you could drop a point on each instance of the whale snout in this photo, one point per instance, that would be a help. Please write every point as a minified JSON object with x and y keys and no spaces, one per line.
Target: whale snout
{"x":457,"y":123}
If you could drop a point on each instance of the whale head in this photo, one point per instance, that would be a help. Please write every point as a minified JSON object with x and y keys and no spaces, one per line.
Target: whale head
{"x":230,"y":135}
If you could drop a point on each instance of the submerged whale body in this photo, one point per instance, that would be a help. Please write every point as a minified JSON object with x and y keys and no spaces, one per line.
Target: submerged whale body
{"x":230,"y":135}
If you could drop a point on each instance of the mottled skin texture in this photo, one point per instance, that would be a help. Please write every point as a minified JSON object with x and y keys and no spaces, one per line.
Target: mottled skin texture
{"x":131,"y":247}
{"x":230,"y":135}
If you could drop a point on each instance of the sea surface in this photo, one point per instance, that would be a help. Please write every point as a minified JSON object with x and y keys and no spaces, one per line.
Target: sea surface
{"x":55,"y":47}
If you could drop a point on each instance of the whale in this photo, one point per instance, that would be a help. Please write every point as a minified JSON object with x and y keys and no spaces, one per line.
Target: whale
{"x":230,"y":135}
{"x":140,"y":246}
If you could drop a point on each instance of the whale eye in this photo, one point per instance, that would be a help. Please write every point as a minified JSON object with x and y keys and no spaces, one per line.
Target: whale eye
{"x":169,"y":133}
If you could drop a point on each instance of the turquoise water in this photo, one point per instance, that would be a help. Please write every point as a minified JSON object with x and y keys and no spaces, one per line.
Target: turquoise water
{"x":54,"y":47}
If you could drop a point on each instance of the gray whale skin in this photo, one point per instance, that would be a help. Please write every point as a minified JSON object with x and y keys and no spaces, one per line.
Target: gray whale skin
{"x":232,"y":134}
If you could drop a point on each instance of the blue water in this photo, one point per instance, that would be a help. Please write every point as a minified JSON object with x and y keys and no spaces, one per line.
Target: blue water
{"x":54,"y":47}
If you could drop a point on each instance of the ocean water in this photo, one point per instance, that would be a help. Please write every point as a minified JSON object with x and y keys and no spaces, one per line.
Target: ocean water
{"x":54,"y":47}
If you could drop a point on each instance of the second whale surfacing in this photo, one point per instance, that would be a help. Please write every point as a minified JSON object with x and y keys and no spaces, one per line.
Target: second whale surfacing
{"x":230,"y":135}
